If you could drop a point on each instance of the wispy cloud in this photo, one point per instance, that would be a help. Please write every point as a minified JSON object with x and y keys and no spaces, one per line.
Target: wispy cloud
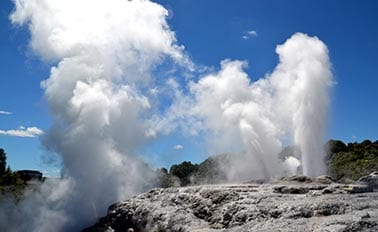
{"x":249,"y":34}
{"x":5,"y":112}
{"x":178,"y":147}
{"x":29,"y":132}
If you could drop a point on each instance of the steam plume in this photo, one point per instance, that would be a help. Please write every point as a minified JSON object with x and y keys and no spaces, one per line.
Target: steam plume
{"x":254,"y":118}
{"x":290,"y":103}
{"x":105,"y":52}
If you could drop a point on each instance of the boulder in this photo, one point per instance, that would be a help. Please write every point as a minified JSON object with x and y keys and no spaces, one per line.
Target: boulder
{"x":324,"y":179}
{"x":371,"y":180}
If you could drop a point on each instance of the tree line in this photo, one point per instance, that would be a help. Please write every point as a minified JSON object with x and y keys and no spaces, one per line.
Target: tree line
{"x":344,"y":162}
{"x":352,"y":160}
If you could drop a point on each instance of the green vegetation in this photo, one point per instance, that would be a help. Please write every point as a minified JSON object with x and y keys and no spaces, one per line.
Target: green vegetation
{"x":187,"y":173}
{"x":7,"y":177}
{"x":178,"y":175}
{"x":184,"y":172}
{"x":344,"y":162}
{"x":10,"y":182}
{"x":353,"y":160}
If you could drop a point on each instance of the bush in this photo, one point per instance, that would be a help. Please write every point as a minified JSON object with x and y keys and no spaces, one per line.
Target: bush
{"x":184,"y":172}
{"x":10,"y":183}
{"x":358,"y":159}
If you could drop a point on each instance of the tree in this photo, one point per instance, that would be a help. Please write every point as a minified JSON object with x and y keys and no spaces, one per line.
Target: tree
{"x":357,"y":160}
{"x":184,"y":171}
{"x":3,"y":162}
{"x":7,"y":177}
{"x":334,"y":147}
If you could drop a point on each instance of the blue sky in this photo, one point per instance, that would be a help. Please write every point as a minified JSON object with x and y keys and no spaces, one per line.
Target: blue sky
{"x":213,"y":30}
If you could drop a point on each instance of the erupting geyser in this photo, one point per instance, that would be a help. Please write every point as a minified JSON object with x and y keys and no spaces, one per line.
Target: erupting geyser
{"x":104,"y":101}
{"x":291,"y":102}
{"x":103,"y":54}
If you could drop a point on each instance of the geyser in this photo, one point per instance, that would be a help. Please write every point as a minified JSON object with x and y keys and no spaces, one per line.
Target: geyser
{"x":288,"y":104}
{"x":104,"y":53}
{"x":104,"y":101}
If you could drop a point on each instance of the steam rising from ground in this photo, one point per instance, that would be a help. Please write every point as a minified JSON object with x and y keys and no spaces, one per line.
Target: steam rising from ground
{"x":105,"y":52}
{"x":290,"y":102}
{"x":104,"y":100}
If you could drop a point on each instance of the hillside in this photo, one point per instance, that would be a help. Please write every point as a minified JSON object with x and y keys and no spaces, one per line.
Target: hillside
{"x":352,"y":160}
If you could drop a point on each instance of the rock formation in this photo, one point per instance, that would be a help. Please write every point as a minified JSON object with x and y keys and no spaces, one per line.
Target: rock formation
{"x":296,"y":203}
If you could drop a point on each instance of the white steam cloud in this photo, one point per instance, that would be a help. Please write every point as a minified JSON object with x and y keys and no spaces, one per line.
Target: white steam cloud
{"x":253,"y":118}
{"x":292,"y":164}
{"x":105,"y":52}
{"x":104,"y":100}
{"x":289,"y":103}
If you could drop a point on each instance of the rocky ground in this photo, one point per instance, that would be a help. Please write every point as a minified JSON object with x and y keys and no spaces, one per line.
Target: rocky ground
{"x":294,"y":203}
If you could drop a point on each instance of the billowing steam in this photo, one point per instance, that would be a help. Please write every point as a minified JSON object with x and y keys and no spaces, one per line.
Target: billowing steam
{"x":104,"y":99}
{"x":105,"y":52}
{"x":289,"y":103}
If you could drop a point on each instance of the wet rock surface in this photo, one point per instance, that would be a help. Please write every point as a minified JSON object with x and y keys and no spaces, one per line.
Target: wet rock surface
{"x":289,"y":204}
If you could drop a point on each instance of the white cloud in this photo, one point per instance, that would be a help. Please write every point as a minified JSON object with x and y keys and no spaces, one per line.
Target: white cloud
{"x":30,"y":132}
{"x":252,"y":33}
{"x":178,"y":147}
{"x":5,"y":112}
{"x":249,"y":34}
